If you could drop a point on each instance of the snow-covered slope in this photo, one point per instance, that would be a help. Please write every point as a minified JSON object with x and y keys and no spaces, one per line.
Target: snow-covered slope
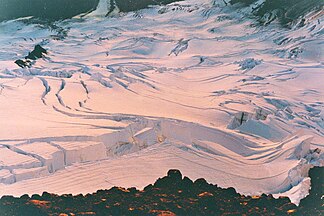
{"x":193,"y":85}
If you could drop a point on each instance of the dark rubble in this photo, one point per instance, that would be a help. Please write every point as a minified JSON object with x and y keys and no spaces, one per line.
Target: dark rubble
{"x":38,"y":52}
{"x":170,"y":195}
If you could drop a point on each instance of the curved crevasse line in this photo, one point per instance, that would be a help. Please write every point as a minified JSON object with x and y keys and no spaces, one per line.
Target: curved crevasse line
{"x":86,"y":89}
{"x":58,"y":96}
{"x":47,"y":89}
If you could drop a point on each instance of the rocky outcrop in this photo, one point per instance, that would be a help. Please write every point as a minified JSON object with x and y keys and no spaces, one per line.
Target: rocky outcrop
{"x":38,"y":52}
{"x":170,"y":195}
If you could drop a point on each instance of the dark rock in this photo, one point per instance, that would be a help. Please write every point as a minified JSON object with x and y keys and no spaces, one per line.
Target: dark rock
{"x":200,"y":182}
{"x":132,"y":190}
{"x":25,"y":197}
{"x":148,"y":187}
{"x":46,"y":195}
{"x":231,"y":191}
{"x":22,"y":63}
{"x":175,"y":174}
{"x":164,"y":182}
{"x":315,"y":201}
{"x":36,"y":197}
{"x":38,"y":52}
{"x":187,"y":182}
{"x":169,"y":195}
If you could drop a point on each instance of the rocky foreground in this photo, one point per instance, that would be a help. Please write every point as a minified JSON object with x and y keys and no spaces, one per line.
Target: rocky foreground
{"x":170,"y":195}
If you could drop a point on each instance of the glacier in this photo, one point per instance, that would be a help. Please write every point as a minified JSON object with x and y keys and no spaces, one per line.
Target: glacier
{"x":119,"y":98}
